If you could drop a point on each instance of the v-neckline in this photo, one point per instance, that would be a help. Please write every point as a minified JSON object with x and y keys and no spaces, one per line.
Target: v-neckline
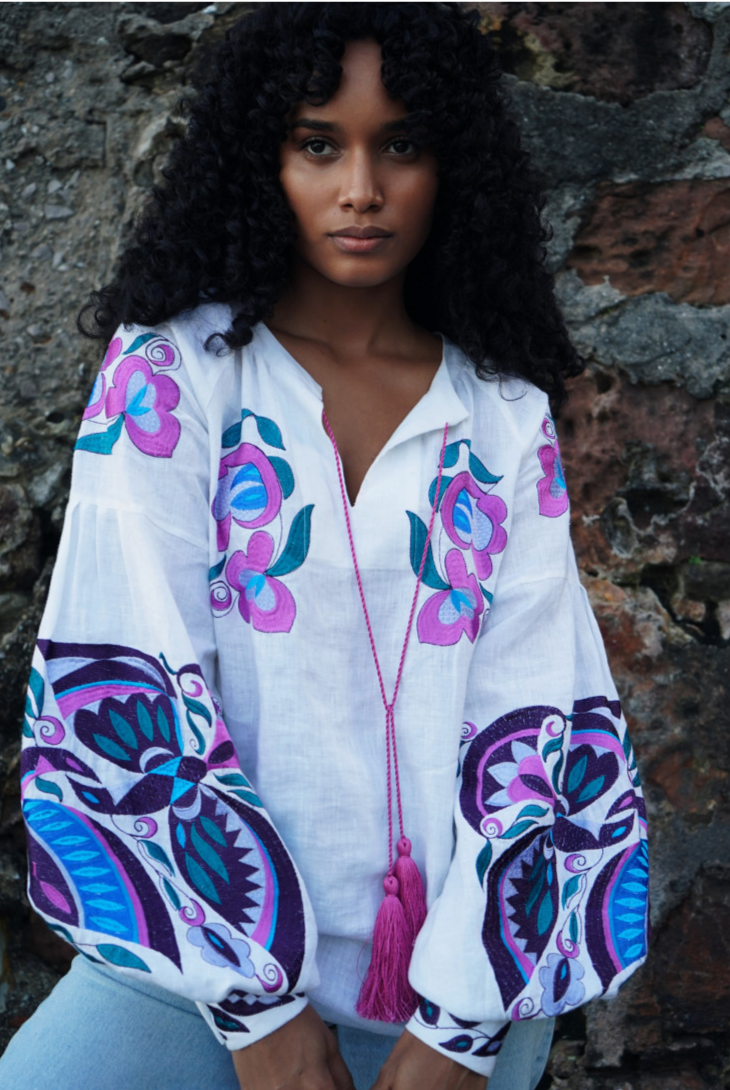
{"x":438,"y":405}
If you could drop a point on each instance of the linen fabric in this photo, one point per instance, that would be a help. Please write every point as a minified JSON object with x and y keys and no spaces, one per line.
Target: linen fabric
{"x":204,"y":767}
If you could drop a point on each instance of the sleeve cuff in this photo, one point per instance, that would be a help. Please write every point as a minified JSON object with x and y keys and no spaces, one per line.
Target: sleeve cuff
{"x":242,"y":1018}
{"x":473,"y":1044}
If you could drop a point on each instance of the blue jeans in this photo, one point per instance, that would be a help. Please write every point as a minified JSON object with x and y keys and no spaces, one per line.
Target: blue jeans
{"x":102,"y":1031}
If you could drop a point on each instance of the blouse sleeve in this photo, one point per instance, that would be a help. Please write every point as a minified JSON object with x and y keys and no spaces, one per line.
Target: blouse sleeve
{"x":149,"y":849}
{"x":545,"y":903}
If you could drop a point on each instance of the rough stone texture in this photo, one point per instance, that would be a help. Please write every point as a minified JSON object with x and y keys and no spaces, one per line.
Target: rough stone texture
{"x":625,"y":108}
{"x":673,"y":237}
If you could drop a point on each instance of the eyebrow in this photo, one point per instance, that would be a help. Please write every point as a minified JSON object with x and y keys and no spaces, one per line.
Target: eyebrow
{"x":332,"y":126}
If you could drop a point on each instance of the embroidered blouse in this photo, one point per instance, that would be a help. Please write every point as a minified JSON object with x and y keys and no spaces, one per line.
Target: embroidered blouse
{"x":204,"y":752}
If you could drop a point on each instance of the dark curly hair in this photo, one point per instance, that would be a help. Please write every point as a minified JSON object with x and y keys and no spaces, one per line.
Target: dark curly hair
{"x":219,"y":229}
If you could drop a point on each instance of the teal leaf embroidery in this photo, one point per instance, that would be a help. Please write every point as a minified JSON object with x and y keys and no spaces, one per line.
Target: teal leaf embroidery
{"x":216,"y":569}
{"x":49,"y":787}
{"x":162,"y":725}
{"x":451,"y":455}
{"x":445,"y":482}
{"x":297,"y":544}
{"x":158,"y":853}
{"x":570,"y":887}
{"x":101,"y":442}
{"x":118,"y":955}
{"x":226,"y":1024}
{"x":201,"y":880}
{"x":208,"y":854}
{"x":197,"y":708}
{"x":483,"y":860}
{"x":111,"y":748}
{"x":532,"y":811}
{"x":269,"y":431}
{"x":171,"y":893}
{"x":516,"y":830}
{"x":249,"y":797}
{"x":551,"y":747}
{"x":233,"y":779}
{"x":36,"y":689}
{"x":480,"y":472}
{"x":142,"y":339}
{"x":212,"y":830}
{"x":419,"y":533}
{"x":231,"y":436}
{"x":123,"y":729}
{"x":285,"y":475}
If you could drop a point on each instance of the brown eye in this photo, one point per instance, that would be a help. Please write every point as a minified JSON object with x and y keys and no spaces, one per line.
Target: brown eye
{"x":317,"y":146}
{"x":402,"y":146}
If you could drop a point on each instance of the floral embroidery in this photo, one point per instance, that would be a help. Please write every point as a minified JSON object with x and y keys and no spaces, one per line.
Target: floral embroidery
{"x":252,"y":489}
{"x":471,"y":525}
{"x":448,"y":613}
{"x":263,"y":601}
{"x":552,"y":494}
{"x":218,"y":947}
{"x":564,"y":866}
{"x":475,"y":1042}
{"x":472,"y":519}
{"x":140,"y":398}
{"x":143,"y":833}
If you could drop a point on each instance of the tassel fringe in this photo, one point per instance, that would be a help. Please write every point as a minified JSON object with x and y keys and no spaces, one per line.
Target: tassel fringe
{"x":412,"y":894}
{"x":386,"y":995}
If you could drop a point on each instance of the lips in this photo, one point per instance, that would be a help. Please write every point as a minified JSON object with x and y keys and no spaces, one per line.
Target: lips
{"x":361,"y":232}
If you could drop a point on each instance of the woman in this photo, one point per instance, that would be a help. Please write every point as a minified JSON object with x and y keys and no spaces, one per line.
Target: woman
{"x":315,"y":593}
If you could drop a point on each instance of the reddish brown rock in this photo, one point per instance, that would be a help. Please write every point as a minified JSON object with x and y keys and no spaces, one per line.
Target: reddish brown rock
{"x":692,"y":955}
{"x":615,"y":52}
{"x":644,"y":472}
{"x":673,"y":237}
{"x":716,"y":129}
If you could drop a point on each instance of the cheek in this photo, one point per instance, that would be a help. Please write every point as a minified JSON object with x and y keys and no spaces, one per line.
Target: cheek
{"x":420,"y":199}
{"x":300,"y":195}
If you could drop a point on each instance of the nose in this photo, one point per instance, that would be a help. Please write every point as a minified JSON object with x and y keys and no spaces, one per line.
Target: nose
{"x":361,"y":189}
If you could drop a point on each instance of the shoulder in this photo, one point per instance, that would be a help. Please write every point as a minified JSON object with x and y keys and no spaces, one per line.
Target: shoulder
{"x":509,"y":403}
{"x":152,"y":379}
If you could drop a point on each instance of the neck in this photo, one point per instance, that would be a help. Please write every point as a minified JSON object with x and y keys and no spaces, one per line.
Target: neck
{"x":352,"y":321}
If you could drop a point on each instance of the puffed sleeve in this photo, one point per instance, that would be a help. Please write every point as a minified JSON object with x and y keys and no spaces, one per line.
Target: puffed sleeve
{"x":149,"y":849}
{"x":545,"y":903}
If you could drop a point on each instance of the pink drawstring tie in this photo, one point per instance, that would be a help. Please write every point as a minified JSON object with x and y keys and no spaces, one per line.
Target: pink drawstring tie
{"x":386,"y":995}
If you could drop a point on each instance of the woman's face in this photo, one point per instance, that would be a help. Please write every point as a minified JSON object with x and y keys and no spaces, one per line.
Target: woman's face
{"x":362,"y":194}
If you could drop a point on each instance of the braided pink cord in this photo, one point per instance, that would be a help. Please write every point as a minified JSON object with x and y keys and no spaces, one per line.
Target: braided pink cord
{"x":390,"y":743}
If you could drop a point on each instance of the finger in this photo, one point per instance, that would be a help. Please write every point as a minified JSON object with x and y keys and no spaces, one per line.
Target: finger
{"x":340,"y":1073}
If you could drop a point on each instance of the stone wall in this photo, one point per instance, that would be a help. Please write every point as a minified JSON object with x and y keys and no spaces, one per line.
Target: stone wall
{"x":625,"y":108}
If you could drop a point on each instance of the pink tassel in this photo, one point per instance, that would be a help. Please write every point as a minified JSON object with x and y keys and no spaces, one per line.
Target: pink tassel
{"x":412,"y":894}
{"x":386,"y":995}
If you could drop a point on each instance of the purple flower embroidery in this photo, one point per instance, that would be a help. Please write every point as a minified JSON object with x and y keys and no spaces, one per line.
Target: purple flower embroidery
{"x":248,"y":492}
{"x":552,"y":495}
{"x":252,"y":489}
{"x":147,"y":400}
{"x":450,"y":612}
{"x":136,"y":398}
{"x":522,"y":776}
{"x":560,"y":980}
{"x":218,"y":947}
{"x":263,"y":600}
{"x":472,"y":520}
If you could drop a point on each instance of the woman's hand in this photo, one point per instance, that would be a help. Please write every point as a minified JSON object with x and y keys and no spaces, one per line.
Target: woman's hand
{"x":301,"y":1055}
{"x":414,"y":1066}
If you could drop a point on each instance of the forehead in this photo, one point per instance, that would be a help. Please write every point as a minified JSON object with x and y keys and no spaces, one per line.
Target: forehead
{"x":360,"y":92}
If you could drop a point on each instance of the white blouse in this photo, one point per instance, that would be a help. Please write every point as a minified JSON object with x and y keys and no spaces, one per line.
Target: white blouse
{"x":204,"y":766}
